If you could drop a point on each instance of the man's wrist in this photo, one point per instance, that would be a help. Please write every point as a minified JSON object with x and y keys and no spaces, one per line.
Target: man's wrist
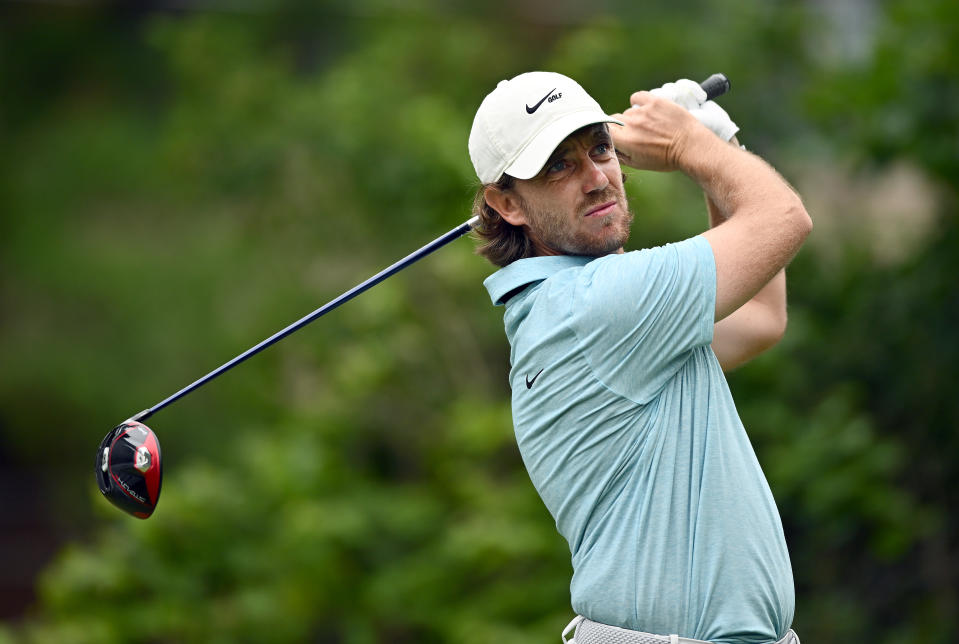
{"x":700,"y":155}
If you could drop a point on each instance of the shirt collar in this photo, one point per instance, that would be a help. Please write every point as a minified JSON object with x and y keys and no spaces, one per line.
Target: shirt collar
{"x":529,"y":270}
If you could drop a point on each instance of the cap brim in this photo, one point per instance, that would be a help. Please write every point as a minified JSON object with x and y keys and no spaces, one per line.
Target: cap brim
{"x":532,"y":159}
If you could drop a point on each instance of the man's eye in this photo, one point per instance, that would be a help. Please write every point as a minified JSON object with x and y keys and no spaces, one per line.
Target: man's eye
{"x":556,"y":166}
{"x":602,"y":149}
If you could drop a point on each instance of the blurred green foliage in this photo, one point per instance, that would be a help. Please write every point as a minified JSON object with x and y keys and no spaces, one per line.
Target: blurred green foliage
{"x":177,"y":186}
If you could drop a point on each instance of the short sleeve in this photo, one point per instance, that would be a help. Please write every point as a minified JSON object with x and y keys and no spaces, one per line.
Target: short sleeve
{"x":639,"y":314}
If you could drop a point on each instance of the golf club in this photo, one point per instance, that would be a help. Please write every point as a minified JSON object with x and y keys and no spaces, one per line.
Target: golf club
{"x":129,"y":468}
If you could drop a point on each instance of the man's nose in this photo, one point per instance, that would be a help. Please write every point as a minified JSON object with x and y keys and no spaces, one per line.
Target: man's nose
{"x":595,"y":178}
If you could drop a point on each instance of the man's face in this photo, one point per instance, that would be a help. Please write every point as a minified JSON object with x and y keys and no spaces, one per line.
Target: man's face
{"x":576,"y":205}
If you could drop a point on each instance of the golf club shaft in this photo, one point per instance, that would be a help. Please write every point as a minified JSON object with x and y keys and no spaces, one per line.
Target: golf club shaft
{"x":439,"y":242}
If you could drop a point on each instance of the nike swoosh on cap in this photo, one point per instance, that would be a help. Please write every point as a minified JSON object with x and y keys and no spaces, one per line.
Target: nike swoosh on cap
{"x":530,"y":110}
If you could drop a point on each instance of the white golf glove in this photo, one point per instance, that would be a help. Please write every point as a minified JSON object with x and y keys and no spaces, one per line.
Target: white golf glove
{"x":690,"y":95}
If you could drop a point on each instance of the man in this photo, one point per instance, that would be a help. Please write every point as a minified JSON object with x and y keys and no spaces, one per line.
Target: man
{"x":621,"y":410}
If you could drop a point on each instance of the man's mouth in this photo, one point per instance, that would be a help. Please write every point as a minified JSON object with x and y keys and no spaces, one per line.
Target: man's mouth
{"x":602,"y":209}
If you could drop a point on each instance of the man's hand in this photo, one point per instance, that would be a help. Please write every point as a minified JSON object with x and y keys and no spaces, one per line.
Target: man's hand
{"x":689,"y":94}
{"x":657,"y":134}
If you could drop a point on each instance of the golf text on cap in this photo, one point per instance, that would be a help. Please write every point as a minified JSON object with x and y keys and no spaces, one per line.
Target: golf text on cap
{"x":549,"y":95}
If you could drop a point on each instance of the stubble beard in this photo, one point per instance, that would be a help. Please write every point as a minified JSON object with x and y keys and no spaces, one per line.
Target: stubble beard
{"x":558,"y":234}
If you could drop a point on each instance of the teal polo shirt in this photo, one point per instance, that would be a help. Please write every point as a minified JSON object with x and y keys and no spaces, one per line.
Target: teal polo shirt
{"x":630,"y":435}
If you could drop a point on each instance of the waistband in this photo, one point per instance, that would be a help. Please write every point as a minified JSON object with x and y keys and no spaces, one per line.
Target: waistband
{"x":586,"y":631}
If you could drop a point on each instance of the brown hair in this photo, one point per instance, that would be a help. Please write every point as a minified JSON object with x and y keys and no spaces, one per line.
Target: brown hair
{"x":500,"y":242}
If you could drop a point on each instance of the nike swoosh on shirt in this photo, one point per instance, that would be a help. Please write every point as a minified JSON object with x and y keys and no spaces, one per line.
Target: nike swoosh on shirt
{"x":530,"y":110}
{"x":529,"y":383}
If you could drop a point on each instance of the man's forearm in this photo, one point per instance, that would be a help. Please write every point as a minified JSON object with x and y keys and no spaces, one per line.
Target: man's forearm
{"x":757,"y":325}
{"x":717,"y":216}
{"x":736,"y":181}
{"x":773,"y":295}
{"x":757,"y":223}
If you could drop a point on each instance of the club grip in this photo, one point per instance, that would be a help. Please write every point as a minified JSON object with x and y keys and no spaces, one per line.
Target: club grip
{"x":715,"y":85}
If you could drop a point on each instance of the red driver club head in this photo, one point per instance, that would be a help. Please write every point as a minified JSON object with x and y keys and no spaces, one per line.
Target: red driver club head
{"x":129,"y":470}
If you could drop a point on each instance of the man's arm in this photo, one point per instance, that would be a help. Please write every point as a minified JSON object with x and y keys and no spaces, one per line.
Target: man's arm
{"x":767,"y":222}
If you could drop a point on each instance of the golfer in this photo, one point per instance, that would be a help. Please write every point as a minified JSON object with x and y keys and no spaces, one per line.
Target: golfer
{"x":621,"y":411}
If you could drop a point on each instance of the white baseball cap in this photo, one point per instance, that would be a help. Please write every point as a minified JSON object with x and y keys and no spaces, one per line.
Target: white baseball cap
{"x":520,"y":123}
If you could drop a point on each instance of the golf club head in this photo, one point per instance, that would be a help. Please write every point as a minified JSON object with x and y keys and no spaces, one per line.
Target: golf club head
{"x":128,"y":468}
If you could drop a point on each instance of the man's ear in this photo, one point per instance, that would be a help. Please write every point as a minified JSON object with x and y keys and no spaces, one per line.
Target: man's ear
{"x":507,"y":204}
